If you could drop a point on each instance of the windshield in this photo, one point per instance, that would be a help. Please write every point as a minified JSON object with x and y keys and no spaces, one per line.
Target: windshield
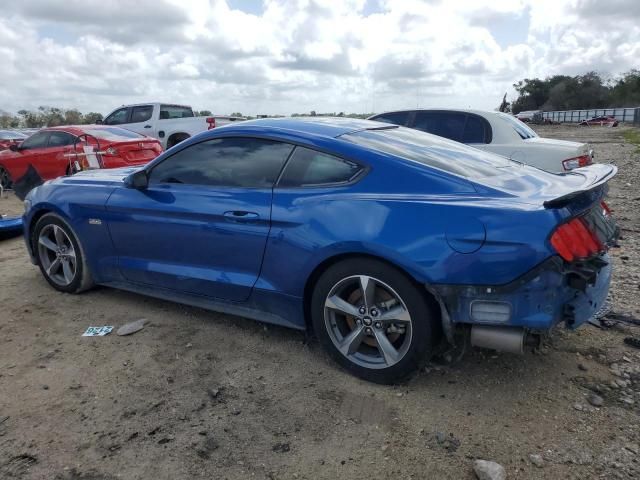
{"x":114,"y":134}
{"x":521,"y":129}
{"x":7,"y":135}
{"x":430,"y":150}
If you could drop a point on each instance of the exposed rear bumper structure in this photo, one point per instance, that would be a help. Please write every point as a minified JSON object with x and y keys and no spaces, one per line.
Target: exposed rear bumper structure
{"x":551,"y":293}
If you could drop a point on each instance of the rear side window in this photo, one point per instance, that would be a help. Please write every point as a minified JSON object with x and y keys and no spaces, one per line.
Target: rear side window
{"x":521,"y":129}
{"x":225,"y":162}
{"x":307,"y":168}
{"x":37,"y":140}
{"x":59,"y":139}
{"x":395,"y":118}
{"x":444,"y":124}
{"x":116,"y":118}
{"x":175,"y":111}
{"x":141,"y":114}
{"x":476,"y":130}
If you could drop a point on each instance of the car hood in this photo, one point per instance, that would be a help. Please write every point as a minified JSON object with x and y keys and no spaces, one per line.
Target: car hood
{"x":99,"y":176}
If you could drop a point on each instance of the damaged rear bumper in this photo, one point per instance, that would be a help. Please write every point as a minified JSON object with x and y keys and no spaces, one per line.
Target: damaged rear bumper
{"x":552,"y":292}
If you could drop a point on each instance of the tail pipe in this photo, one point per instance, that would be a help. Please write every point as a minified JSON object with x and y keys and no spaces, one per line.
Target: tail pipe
{"x":504,"y":339}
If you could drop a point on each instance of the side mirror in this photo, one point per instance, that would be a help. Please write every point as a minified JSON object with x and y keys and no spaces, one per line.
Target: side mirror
{"x":14,"y":147}
{"x":138,"y":180}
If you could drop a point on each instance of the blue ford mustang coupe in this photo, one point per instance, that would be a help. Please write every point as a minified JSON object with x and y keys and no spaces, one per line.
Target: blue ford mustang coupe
{"x":387,"y":242}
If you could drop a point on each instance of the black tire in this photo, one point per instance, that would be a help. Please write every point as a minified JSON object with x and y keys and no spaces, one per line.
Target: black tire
{"x":82,"y":279}
{"x":417,"y":345}
{"x":175,"y":139}
{"x":5,"y":179}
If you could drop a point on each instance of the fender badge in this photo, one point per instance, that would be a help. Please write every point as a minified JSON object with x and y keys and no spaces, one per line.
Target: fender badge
{"x":95,"y":221}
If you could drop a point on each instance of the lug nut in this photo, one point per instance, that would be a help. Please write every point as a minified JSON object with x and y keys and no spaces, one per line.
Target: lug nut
{"x":374,"y":312}
{"x":362,"y":310}
{"x":378,"y":325}
{"x":368,"y":330}
{"x":358,"y":321}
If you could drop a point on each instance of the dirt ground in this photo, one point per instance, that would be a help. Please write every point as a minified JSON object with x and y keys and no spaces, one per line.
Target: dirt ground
{"x":203,"y":395}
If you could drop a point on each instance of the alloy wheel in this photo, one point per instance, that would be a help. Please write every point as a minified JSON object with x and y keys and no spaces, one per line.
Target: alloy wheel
{"x":57,"y":255}
{"x":368,"y":322}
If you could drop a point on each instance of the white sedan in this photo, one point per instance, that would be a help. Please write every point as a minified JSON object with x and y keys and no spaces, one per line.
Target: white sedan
{"x":495,"y":132}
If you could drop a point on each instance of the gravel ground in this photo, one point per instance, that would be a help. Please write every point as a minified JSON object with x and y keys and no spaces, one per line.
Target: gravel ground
{"x":203,"y":395}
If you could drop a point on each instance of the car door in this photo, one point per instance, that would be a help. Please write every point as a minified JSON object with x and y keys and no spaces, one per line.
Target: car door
{"x":117,"y":117}
{"x":53,"y":163}
{"x":201,"y":225}
{"x":32,"y":152}
{"x":140,"y":120}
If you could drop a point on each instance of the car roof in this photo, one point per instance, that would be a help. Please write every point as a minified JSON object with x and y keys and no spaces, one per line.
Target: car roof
{"x":330,"y":127}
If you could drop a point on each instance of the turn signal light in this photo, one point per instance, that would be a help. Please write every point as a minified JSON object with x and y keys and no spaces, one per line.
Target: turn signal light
{"x":576,"y":162}
{"x":575,"y":241}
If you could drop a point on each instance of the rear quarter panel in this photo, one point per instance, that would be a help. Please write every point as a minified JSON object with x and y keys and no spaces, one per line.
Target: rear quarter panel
{"x":388,"y":215}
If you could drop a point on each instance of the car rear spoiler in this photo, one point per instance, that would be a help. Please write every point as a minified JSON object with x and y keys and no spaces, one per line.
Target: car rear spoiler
{"x":595,"y":176}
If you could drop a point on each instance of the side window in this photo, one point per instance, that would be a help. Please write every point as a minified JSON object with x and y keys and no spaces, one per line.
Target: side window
{"x":141,"y":114}
{"x":308,"y":167}
{"x":395,"y":118}
{"x":59,"y":139}
{"x":37,"y":140}
{"x":229,"y":162}
{"x":476,"y":130}
{"x":444,"y":124}
{"x":118,"y":117}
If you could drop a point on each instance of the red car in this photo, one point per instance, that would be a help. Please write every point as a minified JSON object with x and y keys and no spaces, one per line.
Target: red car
{"x":10,"y":137}
{"x":52,"y":151}
{"x":604,"y":120}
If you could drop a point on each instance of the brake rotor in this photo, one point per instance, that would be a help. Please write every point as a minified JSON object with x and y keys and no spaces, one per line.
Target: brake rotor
{"x":381,"y":297}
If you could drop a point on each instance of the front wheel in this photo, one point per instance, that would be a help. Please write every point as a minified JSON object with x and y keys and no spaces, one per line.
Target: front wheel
{"x":373,"y":320}
{"x":60,"y":256}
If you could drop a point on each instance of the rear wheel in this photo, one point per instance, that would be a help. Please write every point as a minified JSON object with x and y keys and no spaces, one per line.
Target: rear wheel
{"x":5,"y":178}
{"x":373,"y":320}
{"x":60,"y":256}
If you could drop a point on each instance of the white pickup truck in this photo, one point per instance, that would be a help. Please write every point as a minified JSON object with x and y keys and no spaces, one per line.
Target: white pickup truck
{"x":167,"y":122}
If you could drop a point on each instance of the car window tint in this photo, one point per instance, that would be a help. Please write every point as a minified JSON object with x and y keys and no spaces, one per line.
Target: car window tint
{"x":230,"y":162}
{"x":117,"y":117}
{"x":442,"y":154}
{"x":59,"y":139}
{"x":308,"y":168}
{"x":141,"y":114}
{"x":520,"y":128}
{"x":395,"y":118}
{"x":37,"y":140}
{"x":175,"y":111}
{"x":474,"y":130}
{"x":444,"y":124}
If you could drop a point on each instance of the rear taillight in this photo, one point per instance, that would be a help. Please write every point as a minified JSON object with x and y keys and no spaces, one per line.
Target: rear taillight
{"x":212,"y":122}
{"x":111,"y":151}
{"x":575,"y":241}
{"x":576,"y":162}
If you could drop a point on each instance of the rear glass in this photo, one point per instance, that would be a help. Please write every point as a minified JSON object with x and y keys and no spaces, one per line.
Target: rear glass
{"x":520,"y":128}
{"x":114,"y":134}
{"x":5,"y":135}
{"x":432,"y":151}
